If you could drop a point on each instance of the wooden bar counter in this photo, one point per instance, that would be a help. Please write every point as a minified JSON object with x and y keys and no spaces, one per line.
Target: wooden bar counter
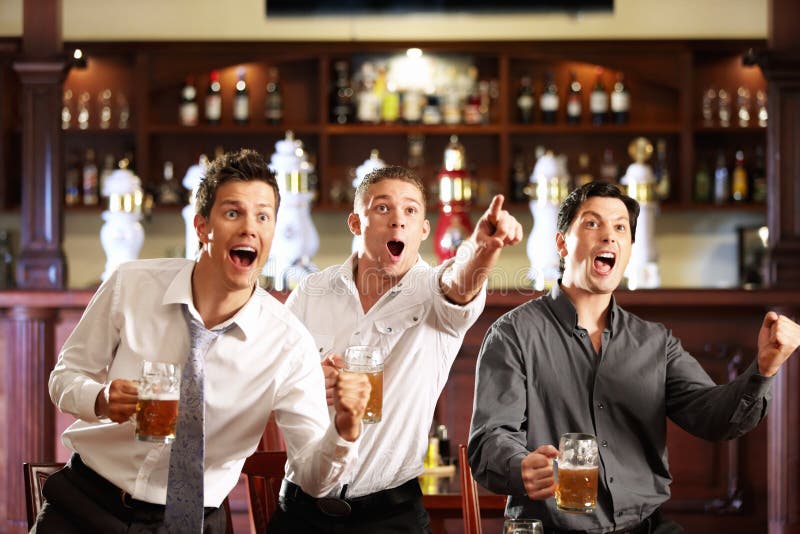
{"x":719,"y":486}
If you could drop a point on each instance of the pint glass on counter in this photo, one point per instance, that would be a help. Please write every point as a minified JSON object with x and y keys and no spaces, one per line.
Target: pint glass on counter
{"x":157,"y":407}
{"x":576,"y":473}
{"x":368,"y":360}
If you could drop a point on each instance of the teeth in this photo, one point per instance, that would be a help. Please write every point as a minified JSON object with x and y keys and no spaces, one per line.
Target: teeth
{"x":245,"y":249}
{"x":606,"y":255}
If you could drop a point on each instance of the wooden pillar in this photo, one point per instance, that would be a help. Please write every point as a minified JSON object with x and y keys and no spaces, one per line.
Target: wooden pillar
{"x":781,"y":67}
{"x":41,"y":263}
{"x":30,"y":418}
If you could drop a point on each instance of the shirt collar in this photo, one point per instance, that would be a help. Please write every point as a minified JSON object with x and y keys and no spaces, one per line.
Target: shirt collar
{"x":567,"y":315}
{"x":179,"y":291}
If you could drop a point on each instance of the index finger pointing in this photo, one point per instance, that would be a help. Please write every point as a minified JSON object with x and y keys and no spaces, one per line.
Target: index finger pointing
{"x":496,"y":206}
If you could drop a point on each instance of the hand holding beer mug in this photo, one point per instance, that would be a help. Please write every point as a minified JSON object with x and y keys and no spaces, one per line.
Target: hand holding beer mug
{"x":576,"y":474}
{"x":157,"y":407}
{"x":522,"y":526}
{"x":368,"y":360}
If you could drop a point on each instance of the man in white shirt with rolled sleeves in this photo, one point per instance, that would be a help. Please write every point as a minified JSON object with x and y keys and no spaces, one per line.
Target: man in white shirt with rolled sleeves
{"x":261,"y":361}
{"x":417,"y":315}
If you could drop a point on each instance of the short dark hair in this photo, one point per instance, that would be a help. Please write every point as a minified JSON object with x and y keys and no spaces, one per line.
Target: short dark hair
{"x":243,"y":165}
{"x":569,"y":208}
{"x":391,"y":172}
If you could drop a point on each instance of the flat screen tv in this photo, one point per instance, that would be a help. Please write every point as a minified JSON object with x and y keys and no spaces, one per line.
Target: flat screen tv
{"x":399,"y":7}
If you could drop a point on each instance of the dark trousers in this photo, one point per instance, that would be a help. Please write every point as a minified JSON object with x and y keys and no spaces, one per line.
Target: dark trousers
{"x":78,"y":500}
{"x":655,"y":524}
{"x":399,"y":510}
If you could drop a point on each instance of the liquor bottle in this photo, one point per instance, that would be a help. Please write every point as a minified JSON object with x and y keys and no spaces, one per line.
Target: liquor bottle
{"x":609,"y":170}
{"x":702,"y":184}
{"x":105,"y":172}
{"x":104,"y":109}
{"x":273,"y":103}
{"x":72,"y":180}
{"x":761,"y":107}
{"x":188,"y":112}
{"x":758,"y":177}
{"x":525,"y":100}
{"x":620,"y":100}
{"x":722,"y":181}
{"x":724,"y":108}
{"x":661,"y":171}
{"x":598,"y":100}
{"x":548,"y":101}
{"x":213,"y":103}
{"x":7,"y":278}
{"x":431,"y":114}
{"x":472,"y":105}
{"x":241,"y":99}
{"x":83,"y":110}
{"x":574,"y":99}
{"x":66,"y":110}
{"x":519,"y":178}
{"x":485,"y":95}
{"x":743,"y":106}
{"x":708,"y":102}
{"x":584,"y":174}
{"x":342,"y":95}
{"x":90,"y":181}
{"x":740,"y":183}
{"x":168,"y":190}
{"x":123,"y":111}
{"x":369,"y":106}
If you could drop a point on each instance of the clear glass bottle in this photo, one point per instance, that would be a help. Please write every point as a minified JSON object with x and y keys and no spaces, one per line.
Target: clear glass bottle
{"x":724,"y":108}
{"x":620,"y":101}
{"x":548,"y":101}
{"x":273,"y":103}
{"x":104,"y":109}
{"x":83,"y":110}
{"x":598,"y":100}
{"x":66,"y":110}
{"x":90,"y":179}
{"x":241,"y":99}
{"x":213,"y":102}
{"x":743,"y":106}
{"x":574,"y":99}
{"x":525,"y":100}
{"x":722,"y":181}
{"x":188,"y":113}
{"x":342,"y":94}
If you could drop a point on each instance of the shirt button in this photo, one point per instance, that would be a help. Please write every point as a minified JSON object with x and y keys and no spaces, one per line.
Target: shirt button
{"x":604,"y":443}
{"x":601,"y":405}
{"x":416,"y":319}
{"x":358,"y":333}
{"x":610,"y":480}
{"x":583,"y":334}
{"x":388,"y":328}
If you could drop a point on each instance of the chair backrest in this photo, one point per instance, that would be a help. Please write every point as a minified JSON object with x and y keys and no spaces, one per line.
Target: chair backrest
{"x":264,"y":471}
{"x":469,"y":494}
{"x":35,"y":476}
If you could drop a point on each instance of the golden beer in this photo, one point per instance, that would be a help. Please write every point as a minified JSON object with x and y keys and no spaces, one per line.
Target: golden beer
{"x":576,"y":490}
{"x":375,"y":403}
{"x":156,"y":419}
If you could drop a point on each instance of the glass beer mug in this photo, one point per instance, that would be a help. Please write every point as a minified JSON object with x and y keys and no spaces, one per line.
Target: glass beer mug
{"x":157,"y":406}
{"x":522,"y":526}
{"x":368,"y":360}
{"x":576,"y":474}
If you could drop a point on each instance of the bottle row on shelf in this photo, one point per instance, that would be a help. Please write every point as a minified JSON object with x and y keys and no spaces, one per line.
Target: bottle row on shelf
{"x":722,"y":108}
{"x":604,"y":107}
{"x":105,"y":111}
{"x":744,"y":181}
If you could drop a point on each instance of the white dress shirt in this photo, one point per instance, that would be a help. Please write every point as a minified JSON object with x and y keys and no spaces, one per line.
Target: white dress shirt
{"x":419,"y":332}
{"x":267,"y":363}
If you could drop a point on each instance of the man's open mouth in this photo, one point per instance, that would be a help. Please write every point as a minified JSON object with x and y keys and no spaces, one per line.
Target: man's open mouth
{"x":243,"y":256}
{"x":604,"y":262}
{"x":395,"y":248}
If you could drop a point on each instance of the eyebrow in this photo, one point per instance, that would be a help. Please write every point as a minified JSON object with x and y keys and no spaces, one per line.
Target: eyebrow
{"x":230,"y":202}
{"x":407,"y":199}
{"x":595,"y":214}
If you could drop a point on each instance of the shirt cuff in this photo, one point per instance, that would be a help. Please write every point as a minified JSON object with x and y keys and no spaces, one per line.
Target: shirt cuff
{"x":86,"y":401}
{"x":337,"y":447}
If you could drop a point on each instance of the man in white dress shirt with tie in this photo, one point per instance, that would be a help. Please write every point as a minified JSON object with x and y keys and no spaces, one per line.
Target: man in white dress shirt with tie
{"x":260,"y":360}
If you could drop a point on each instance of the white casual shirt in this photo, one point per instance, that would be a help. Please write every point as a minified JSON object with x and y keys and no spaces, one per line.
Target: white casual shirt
{"x":419,"y":332}
{"x":266,"y":363}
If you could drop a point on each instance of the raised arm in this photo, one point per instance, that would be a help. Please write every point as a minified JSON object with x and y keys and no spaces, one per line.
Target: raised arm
{"x":496,"y":229}
{"x":778,"y":338}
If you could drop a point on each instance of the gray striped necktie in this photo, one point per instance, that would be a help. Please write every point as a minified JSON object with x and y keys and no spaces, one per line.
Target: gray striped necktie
{"x":184,"y":509}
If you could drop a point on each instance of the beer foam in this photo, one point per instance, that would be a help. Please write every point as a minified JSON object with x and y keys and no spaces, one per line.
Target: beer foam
{"x":172,"y":396}
{"x":572,"y":467}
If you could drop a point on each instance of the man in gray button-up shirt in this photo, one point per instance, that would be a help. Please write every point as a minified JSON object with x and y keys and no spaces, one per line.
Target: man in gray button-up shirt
{"x":574,"y":361}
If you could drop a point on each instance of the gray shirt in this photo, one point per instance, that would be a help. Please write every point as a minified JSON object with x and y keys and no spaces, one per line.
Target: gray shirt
{"x":538,"y":377}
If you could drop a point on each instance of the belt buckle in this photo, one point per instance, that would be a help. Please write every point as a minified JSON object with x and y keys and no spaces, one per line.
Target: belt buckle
{"x":333,"y":507}
{"x":124,"y":496}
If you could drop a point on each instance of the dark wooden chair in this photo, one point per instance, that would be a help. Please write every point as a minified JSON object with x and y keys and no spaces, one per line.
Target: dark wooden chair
{"x":35,"y":475}
{"x":264,"y":471}
{"x":469,"y":494}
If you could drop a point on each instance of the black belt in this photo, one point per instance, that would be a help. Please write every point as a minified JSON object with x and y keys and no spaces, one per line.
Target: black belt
{"x":115,"y":499}
{"x":375,"y":504}
{"x":648,"y":526}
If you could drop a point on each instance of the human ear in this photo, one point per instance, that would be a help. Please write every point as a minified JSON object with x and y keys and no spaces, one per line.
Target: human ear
{"x":201,"y":227}
{"x":426,"y":229}
{"x":561,"y":245}
{"x":354,"y":223}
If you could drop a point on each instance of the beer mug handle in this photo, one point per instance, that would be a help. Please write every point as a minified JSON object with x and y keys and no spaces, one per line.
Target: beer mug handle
{"x":555,"y":471}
